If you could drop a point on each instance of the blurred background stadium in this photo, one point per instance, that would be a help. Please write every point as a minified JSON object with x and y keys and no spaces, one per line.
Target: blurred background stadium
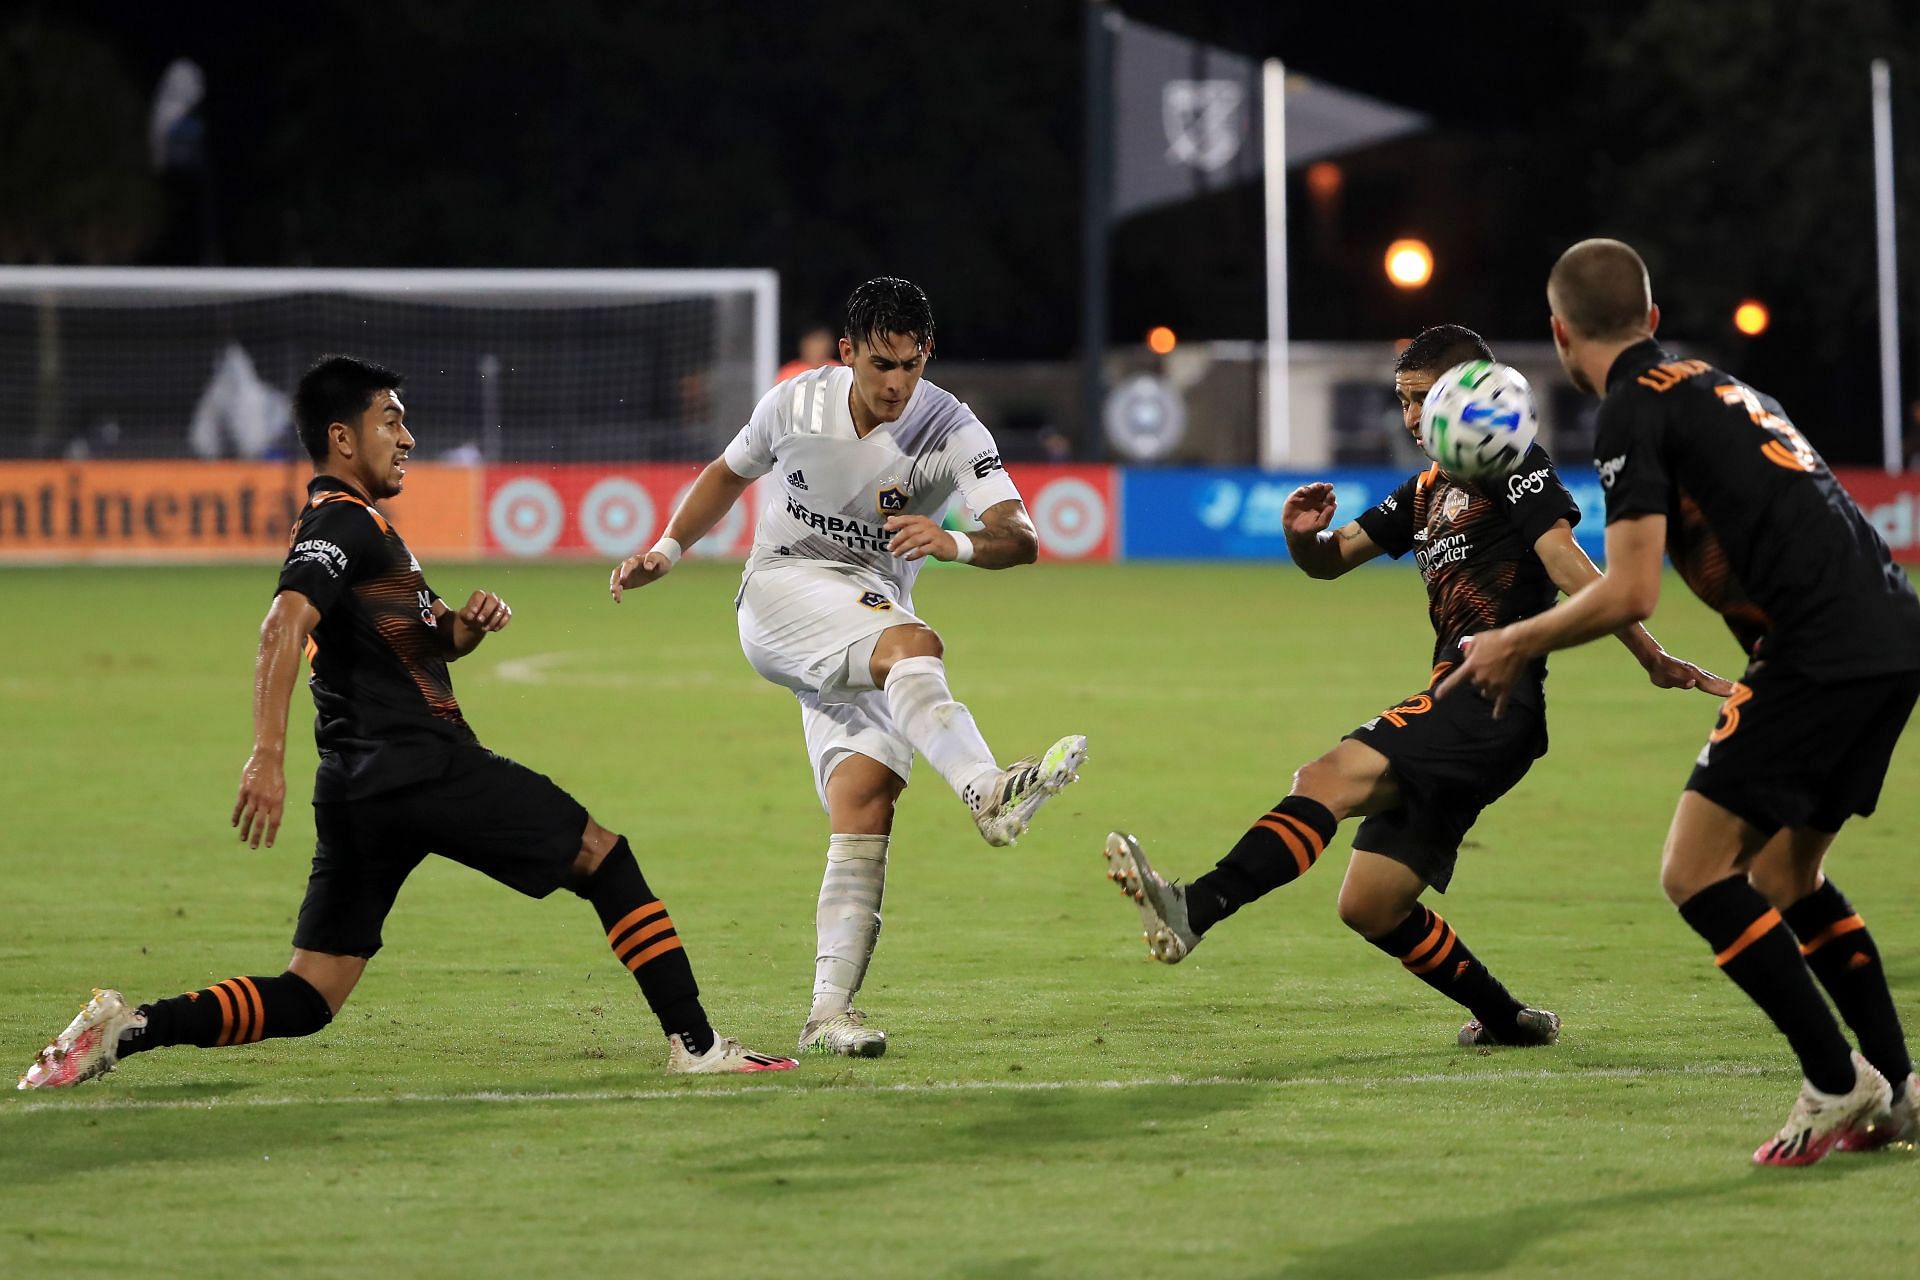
{"x":1101,"y":199}
{"x":592,"y":234}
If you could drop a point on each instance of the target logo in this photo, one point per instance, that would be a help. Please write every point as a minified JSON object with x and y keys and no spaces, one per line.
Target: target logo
{"x":1072,"y":512}
{"x":525,"y":516}
{"x":588,"y":510}
{"x":617,"y":517}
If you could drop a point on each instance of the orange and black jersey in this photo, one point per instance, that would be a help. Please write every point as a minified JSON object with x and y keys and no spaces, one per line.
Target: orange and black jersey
{"x":1756,"y":523}
{"x":1474,"y":545}
{"x":385,"y":714}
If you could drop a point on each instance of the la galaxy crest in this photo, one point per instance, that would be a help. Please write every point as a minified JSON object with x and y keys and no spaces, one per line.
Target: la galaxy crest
{"x":890,"y":497}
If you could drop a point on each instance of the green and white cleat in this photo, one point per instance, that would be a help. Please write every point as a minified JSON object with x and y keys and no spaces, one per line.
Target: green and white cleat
{"x":1163,"y":904}
{"x":845,"y":1034}
{"x":89,"y":1047}
{"x":1024,"y":786}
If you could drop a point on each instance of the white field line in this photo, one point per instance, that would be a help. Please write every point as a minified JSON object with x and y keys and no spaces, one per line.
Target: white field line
{"x":928,"y":1087}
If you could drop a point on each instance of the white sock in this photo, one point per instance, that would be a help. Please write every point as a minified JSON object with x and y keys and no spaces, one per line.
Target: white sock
{"x":847,"y":922}
{"x":941,"y":729}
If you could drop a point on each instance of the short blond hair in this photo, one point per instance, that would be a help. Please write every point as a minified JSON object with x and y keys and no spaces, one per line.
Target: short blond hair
{"x":1600,"y":289}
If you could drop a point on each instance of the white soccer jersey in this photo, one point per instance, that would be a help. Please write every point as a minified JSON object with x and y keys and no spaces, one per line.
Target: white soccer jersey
{"x":836,"y":490}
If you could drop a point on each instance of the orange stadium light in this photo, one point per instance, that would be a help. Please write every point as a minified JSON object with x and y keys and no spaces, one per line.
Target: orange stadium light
{"x":1409,"y":263}
{"x":1161,"y":340}
{"x":1752,"y":318}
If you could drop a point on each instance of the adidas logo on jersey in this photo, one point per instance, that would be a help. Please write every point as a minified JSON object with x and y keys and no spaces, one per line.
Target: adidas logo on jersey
{"x":798,"y":480}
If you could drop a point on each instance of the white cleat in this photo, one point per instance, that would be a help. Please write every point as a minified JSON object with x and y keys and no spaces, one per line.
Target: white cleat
{"x":1163,"y":904}
{"x":1898,"y":1125}
{"x":1024,"y":786}
{"x":727,"y":1057}
{"x":845,"y":1034}
{"x":89,"y":1047}
{"x":1820,"y":1121}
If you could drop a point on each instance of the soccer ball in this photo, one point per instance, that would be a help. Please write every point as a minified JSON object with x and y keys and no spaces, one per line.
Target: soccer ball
{"x":1478,"y":420}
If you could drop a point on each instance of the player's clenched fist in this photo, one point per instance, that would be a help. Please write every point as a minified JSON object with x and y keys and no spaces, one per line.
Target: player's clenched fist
{"x":485,"y":611}
{"x":916,"y":537}
{"x":638,"y":570}
{"x":1309,"y":509}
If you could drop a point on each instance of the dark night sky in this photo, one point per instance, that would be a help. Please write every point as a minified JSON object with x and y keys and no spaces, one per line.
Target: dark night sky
{"x":943,"y":142}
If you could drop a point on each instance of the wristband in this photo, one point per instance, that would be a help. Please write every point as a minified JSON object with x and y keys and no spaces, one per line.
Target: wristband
{"x":670,"y":548}
{"x":962,"y":547}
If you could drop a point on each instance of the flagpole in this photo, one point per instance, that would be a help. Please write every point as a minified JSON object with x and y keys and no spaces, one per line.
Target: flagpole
{"x":1276,"y":436}
{"x":1889,"y":285}
{"x":1097,"y":212}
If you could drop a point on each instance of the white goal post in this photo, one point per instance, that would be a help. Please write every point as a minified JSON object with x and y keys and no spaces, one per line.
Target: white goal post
{"x":509,"y":365}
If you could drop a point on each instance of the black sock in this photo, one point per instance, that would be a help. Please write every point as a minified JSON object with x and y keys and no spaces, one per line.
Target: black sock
{"x":1754,"y":948}
{"x":1842,"y":955}
{"x":1433,"y":953}
{"x":1276,"y":849}
{"x":237,"y":1011}
{"x":643,"y":937}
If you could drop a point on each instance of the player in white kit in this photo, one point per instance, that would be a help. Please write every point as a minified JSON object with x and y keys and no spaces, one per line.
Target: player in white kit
{"x":868,"y":458}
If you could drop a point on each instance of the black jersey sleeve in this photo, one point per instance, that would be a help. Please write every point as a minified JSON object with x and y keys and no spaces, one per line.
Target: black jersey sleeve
{"x":1534,"y":497}
{"x":335,"y":545}
{"x":1390,"y":524}
{"x":1627,"y":449}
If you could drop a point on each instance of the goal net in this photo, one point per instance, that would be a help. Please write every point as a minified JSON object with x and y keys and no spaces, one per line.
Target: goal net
{"x":501,"y":366}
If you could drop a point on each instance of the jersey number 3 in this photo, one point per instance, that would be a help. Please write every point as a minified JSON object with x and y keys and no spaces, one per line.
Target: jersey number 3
{"x":1788,"y":448}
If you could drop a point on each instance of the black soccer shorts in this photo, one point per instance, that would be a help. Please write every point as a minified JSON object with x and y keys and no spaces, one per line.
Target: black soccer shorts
{"x":1792,"y":751}
{"x":1450,"y":759}
{"x":486,"y":812}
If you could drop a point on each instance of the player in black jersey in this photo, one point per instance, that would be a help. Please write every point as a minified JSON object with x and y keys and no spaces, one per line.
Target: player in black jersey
{"x":1697,"y":462}
{"x":1420,"y":772}
{"x":401,"y":774}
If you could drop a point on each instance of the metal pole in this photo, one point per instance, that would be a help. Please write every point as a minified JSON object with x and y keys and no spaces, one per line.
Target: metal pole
{"x":1097,"y":211}
{"x":1889,"y":280}
{"x":1276,"y":437}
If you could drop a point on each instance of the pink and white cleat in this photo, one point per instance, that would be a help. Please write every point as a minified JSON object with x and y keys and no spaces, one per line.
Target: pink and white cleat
{"x":89,"y":1047}
{"x":1899,"y":1124}
{"x":1820,"y":1121}
{"x":726,"y":1057}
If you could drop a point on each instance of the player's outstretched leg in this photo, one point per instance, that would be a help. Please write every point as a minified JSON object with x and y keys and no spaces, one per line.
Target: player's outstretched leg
{"x":643,"y":938}
{"x":1278,"y":849}
{"x":941,"y":728}
{"x":846,"y":929}
{"x":237,"y":1011}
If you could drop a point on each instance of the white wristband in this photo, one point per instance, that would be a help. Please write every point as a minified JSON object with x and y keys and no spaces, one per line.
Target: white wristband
{"x":670,"y":548}
{"x":962,"y":547}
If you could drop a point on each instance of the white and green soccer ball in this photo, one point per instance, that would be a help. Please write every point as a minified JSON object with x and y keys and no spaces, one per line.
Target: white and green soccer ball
{"x":1478,"y":420}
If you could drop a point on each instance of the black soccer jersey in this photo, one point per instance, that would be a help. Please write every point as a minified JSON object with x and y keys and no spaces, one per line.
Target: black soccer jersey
{"x":385,"y":714}
{"x":1756,"y":524}
{"x":1474,"y":545}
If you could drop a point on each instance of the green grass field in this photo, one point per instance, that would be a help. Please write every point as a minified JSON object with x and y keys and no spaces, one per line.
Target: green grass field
{"x":1286,"y":1103}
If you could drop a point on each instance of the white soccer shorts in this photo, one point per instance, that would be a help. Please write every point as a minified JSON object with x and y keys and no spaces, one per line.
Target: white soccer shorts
{"x":812,"y":629}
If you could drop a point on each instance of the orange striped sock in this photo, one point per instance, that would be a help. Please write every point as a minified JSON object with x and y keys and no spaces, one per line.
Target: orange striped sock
{"x":1278,"y":849}
{"x":1754,"y":947}
{"x":643,"y":939}
{"x":1843,"y":956}
{"x":1432,"y":952}
{"x":237,"y":1011}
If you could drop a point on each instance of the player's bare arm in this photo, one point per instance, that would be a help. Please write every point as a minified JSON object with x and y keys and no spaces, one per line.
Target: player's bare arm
{"x":711,"y":497}
{"x":1573,"y":571}
{"x":263,"y":783}
{"x":1625,"y":594}
{"x":1006,"y":538}
{"x":463,"y":629}
{"x":1320,"y":551}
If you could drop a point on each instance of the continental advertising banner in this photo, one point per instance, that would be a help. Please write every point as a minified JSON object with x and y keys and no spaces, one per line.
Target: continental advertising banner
{"x":192,"y":511}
